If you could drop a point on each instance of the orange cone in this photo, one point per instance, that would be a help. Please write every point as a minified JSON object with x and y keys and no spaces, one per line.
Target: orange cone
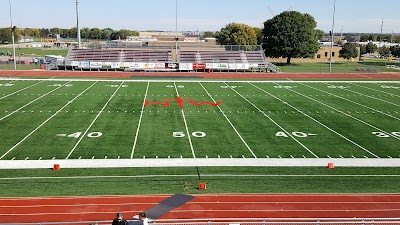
{"x":202,"y":186}
{"x":331,"y":165}
{"x":56,"y":167}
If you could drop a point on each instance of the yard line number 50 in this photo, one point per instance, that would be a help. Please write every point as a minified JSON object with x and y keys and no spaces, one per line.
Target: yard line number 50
{"x":181,"y":134}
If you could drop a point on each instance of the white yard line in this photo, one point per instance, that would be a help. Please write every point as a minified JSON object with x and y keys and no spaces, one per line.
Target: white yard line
{"x":206,"y":81}
{"x":23,"y":89}
{"x":32,"y":102}
{"x":140,"y":121}
{"x":373,"y":89}
{"x":90,"y":126}
{"x":186,"y":126}
{"x":273,"y":121}
{"x":337,"y":110}
{"x":368,"y":96}
{"x":356,"y":103}
{"x":315,"y":120}
{"x":237,"y":132}
{"x":42,"y":124}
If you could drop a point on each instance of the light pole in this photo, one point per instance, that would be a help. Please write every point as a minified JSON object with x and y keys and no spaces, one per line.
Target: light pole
{"x":77,"y":24}
{"x":12,"y":36}
{"x":176,"y":30}
{"x":333,"y":33}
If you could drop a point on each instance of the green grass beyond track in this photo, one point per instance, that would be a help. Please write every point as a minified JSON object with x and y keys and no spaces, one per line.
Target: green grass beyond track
{"x":219,"y":180}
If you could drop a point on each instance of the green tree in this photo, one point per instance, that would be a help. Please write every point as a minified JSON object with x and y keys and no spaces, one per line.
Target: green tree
{"x":44,"y":32}
{"x":363,"y":49}
{"x":85,"y":32}
{"x":208,"y":34}
{"x":320,"y":33}
{"x":260,"y":35}
{"x":364,"y":37}
{"x":6,"y":36}
{"x":55,"y":30}
{"x":237,"y":34}
{"x":384,"y":50}
{"x":395,"y":50}
{"x":73,"y":32}
{"x":95,"y":33}
{"x":371,"y":47}
{"x":291,"y":35}
{"x":348,"y":51}
{"x":106,"y":33}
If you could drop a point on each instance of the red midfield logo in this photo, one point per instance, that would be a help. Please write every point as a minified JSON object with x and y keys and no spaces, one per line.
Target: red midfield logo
{"x":180,"y":101}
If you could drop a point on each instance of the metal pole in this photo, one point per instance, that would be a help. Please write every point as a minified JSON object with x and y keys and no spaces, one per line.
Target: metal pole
{"x":176,"y":30}
{"x":12,"y":36}
{"x":380,"y":39}
{"x":333,"y":26}
{"x":77,"y":24}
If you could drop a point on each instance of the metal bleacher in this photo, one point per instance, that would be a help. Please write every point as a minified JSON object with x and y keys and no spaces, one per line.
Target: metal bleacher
{"x":246,"y":58}
{"x":119,"y":55}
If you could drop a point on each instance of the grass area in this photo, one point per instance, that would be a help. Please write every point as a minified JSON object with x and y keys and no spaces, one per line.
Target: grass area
{"x":271,"y":120}
{"x":373,"y":180}
{"x":10,"y":66}
{"x":367,"y":66}
{"x":35,"y":52}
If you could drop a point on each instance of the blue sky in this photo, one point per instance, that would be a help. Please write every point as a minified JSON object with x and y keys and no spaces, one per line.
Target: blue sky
{"x":204,"y":15}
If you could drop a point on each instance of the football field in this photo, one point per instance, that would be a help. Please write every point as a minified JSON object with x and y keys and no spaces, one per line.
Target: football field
{"x":122,"y":119}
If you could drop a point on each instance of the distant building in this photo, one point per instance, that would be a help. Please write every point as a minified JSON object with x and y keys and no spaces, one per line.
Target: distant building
{"x":323,"y":55}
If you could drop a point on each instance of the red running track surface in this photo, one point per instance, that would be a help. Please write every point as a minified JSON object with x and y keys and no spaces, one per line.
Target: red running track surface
{"x":100,"y":208}
{"x":238,"y":75}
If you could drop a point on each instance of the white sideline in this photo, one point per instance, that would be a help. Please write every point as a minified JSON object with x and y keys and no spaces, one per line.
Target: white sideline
{"x":42,"y":124}
{"x":201,"y":162}
{"x":140,"y":121}
{"x":337,"y":96}
{"x":315,"y":120}
{"x":186,"y":126}
{"x":90,"y":126}
{"x":237,"y":132}
{"x":274,"y":122}
{"x":206,"y":81}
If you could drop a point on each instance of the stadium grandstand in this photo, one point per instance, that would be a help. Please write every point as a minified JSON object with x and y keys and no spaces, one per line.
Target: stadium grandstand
{"x":169,"y":58}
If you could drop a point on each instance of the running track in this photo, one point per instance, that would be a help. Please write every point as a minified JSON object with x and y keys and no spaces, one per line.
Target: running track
{"x":101,"y":208}
{"x":233,"y":75}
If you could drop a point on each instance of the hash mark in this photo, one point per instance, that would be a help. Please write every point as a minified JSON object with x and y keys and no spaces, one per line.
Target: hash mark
{"x":105,"y":157}
{"x":26,"y":158}
{"x":304,"y":156}
{"x":243,"y":157}
{"x":80,"y":157}
{"x":92,"y":157}
{"x":291,"y":156}
{"x":40,"y":158}
{"x":118,"y":157}
{"x":13,"y":158}
{"x":353,"y":156}
{"x":267,"y":156}
{"x":231,"y":156}
{"x":341,"y":156}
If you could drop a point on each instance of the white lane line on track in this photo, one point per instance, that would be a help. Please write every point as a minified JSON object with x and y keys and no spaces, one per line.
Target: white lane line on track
{"x":337,"y":110}
{"x":273,"y":121}
{"x":91,"y":124}
{"x":196,"y":203}
{"x":186,"y":126}
{"x":315,"y":120}
{"x":356,"y":103}
{"x":42,"y":124}
{"x":44,"y":95}
{"x":140,"y":121}
{"x":285,"y":210}
{"x":23,"y":89}
{"x":237,"y":132}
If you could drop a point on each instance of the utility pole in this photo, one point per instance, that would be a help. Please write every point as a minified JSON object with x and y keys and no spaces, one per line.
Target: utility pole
{"x":380,"y":39}
{"x":12,"y":36}
{"x":77,"y":24}
{"x":176,"y":30}
{"x":333,"y":33}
